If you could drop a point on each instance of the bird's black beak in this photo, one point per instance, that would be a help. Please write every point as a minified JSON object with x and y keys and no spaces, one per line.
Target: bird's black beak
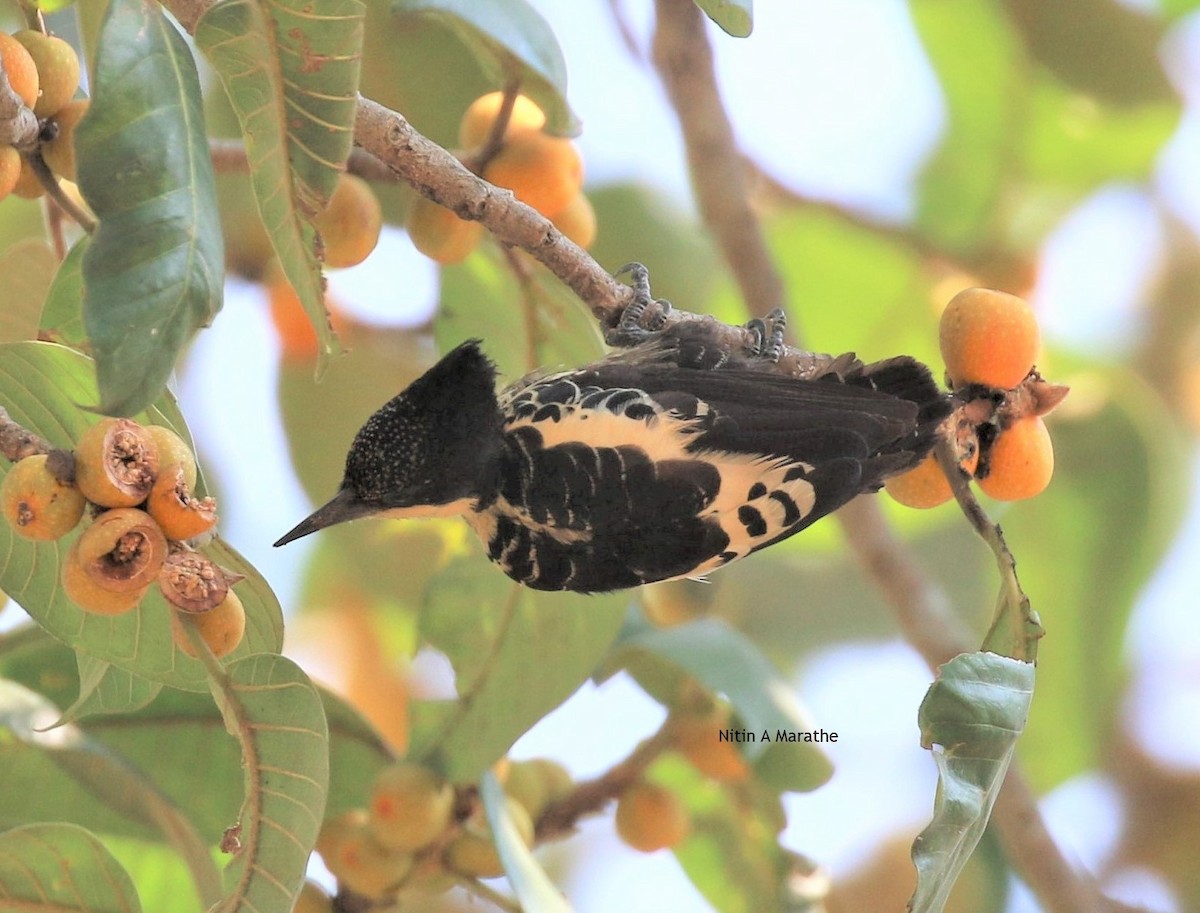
{"x":344,"y":506}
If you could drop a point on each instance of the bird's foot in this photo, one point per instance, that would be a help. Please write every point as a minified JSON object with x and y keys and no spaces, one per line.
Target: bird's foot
{"x":630,"y":330}
{"x":767,"y":333}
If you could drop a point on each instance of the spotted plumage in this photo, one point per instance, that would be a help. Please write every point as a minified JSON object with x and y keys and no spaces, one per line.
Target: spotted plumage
{"x":658,"y":462}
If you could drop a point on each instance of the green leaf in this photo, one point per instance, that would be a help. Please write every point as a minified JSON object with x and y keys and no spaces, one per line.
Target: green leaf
{"x":275,"y":713}
{"x":42,"y":385}
{"x":71,"y":777}
{"x":172,"y":739}
{"x":28,"y":267}
{"x":1073,"y":144}
{"x":155,"y":266}
{"x":292,"y":80}
{"x":495,"y":631}
{"x":62,"y":313}
{"x":105,"y":688}
{"x":62,"y":866}
{"x":874,"y":312}
{"x":975,"y":710}
{"x":1104,"y":48}
{"x":984,"y":77}
{"x":510,"y":40}
{"x":534,"y":889}
{"x":725,"y":661}
{"x":736,"y":17}
{"x":541,"y":325}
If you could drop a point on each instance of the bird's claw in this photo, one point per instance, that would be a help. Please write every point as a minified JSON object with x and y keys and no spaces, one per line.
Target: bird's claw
{"x":768,"y":335}
{"x":629,"y":330}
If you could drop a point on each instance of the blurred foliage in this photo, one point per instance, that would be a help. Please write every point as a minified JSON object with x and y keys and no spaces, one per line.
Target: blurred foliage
{"x":1045,"y":103}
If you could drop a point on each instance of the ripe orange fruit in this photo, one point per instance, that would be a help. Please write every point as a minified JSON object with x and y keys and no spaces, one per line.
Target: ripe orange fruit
{"x":116,"y":462}
{"x":36,"y":504}
{"x":297,"y":338}
{"x":925,"y":485}
{"x":21,"y":70}
{"x":58,"y":70}
{"x":28,"y":187}
{"x":1021,"y":461}
{"x":988,"y":337}
{"x":94,"y":599}
{"x":698,"y":739}
{"x":542,"y":171}
{"x":477,"y":120}
{"x":439,"y":234}
{"x":10,"y":170}
{"x":221,"y":628}
{"x":650,"y":818}
{"x":350,"y":223}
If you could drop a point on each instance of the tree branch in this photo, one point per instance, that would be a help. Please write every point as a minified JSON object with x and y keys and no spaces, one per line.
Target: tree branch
{"x":683,"y":58}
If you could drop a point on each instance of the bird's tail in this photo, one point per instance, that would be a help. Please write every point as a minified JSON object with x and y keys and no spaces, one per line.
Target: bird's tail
{"x":906,"y":378}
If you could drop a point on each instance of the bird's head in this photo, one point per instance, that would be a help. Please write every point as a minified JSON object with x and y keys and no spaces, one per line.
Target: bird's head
{"x":428,"y":452}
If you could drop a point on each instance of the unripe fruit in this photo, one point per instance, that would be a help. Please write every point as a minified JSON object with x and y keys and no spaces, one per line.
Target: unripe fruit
{"x":577,"y":220}
{"x":82,"y":590}
{"x":650,"y":818}
{"x":356,"y":860}
{"x":524,"y":783}
{"x":59,"y":153}
{"x":439,"y":234}
{"x":58,"y":70}
{"x":477,"y":120}
{"x":1020,"y":462}
{"x":350,"y":223}
{"x":123,"y":550}
{"x":10,"y":170}
{"x":179,"y":514}
{"x":116,"y":463}
{"x":988,"y":337}
{"x":925,"y":485}
{"x":698,"y":739}
{"x":474,"y":853}
{"x":542,"y":171}
{"x":556,"y":779}
{"x":173,"y":451}
{"x":20,"y":68}
{"x":221,"y":628}
{"x":36,"y":504}
{"x":410,"y":806}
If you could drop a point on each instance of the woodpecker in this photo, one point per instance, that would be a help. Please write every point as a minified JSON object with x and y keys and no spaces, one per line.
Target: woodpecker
{"x":669,"y":458}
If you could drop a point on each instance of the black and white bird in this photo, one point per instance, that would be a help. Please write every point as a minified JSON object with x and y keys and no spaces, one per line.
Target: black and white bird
{"x":670,"y":458}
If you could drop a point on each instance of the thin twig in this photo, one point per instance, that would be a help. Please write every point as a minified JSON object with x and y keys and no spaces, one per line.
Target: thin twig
{"x":54,"y":190}
{"x":560,"y":817}
{"x":684,"y":61}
